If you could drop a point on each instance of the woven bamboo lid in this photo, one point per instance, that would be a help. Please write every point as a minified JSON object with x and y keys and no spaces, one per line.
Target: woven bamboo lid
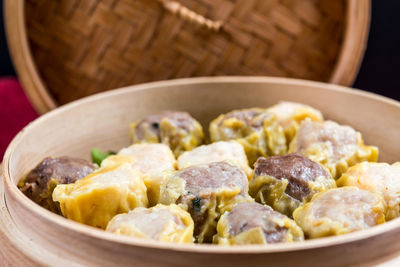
{"x":64,"y":50}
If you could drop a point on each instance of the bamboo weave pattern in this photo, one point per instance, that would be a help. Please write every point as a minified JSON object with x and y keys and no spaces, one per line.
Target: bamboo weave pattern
{"x":83,"y":47}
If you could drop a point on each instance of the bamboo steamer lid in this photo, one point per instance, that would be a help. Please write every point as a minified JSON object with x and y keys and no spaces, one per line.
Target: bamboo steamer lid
{"x":64,"y":50}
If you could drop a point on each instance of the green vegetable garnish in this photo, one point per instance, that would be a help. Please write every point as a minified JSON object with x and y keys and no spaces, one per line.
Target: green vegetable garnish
{"x":242,"y":227}
{"x":98,"y":156}
{"x":196,"y":204}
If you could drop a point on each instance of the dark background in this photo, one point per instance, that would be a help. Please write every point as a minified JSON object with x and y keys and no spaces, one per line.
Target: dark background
{"x":380,"y":69}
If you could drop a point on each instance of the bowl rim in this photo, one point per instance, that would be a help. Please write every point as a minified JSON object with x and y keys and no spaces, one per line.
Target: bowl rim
{"x":92,"y":232}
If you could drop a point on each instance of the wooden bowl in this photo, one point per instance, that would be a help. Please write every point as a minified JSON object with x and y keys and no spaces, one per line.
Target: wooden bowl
{"x":35,"y":235}
{"x":64,"y":50}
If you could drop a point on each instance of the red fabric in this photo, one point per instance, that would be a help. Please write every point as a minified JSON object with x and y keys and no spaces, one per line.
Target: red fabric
{"x":15,"y":111}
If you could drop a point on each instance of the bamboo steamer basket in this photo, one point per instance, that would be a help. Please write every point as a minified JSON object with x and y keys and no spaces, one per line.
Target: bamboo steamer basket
{"x":32,"y":235}
{"x":64,"y":50}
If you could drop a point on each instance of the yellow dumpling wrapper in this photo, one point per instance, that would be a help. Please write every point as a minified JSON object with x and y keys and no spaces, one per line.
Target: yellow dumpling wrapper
{"x":253,"y":223}
{"x":291,"y":114}
{"x":336,"y":147}
{"x":97,"y":198}
{"x":162,"y":223}
{"x":178,"y":130}
{"x":219,"y":151}
{"x":256,"y":129}
{"x":340,"y":211}
{"x":154,"y":161}
{"x":381,"y":178}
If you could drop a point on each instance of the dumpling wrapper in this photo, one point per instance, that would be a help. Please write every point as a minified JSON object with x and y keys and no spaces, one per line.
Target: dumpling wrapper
{"x":380,"y":178}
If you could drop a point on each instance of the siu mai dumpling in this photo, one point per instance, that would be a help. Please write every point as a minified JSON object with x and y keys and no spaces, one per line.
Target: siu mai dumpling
{"x":162,"y":223}
{"x":219,"y":151}
{"x":206,"y":191}
{"x":381,"y":178}
{"x":290,"y":115}
{"x":340,"y":211}
{"x":256,"y":129}
{"x":336,"y":147}
{"x":40,"y":182}
{"x":180,"y":131}
{"x":96,"y":199}
{"x":253,"y":223}
{"x":286,"y":182}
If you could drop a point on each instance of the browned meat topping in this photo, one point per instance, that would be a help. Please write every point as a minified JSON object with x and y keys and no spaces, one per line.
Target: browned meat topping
{"x":296,"y":168}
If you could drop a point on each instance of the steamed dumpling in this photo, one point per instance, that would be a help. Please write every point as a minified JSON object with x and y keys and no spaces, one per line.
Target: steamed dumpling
{"x":256,"y":129}
{"x":40,"y":182}
{"x":340,"y":211}
{"x":253,"y":223}
{"x":177,"y":129}
{"x":380,"y":178}
{"x":162,"y":223}
{"x":334,"y":146}
{"x":286,"y":182}
{"x":206,"y":191}
{"x":291,"y":114}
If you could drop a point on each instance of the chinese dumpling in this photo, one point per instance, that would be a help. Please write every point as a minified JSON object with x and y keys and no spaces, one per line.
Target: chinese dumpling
{"x":214,"y":152}
{"x":334,"y":146}
{"x":290,"y":115}
{"x":206,"y":191}
{"x":40,"y":182}
{"x":153,"y":161}
{"x":380,"y":178}
{"x":162,"y":223}
{"x":253,"y":223}
{"x":285,"y":182}
{"x":177,"y":129}
{"x":97,"y":198}
{"x":256,"y":129}
{"x":340,"y":211}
